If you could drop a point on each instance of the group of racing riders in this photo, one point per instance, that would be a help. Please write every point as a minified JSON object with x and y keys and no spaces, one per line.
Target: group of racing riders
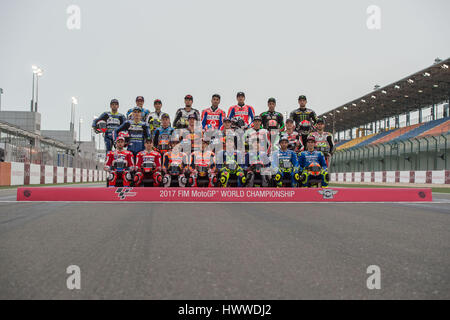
{"x":215,"y":149}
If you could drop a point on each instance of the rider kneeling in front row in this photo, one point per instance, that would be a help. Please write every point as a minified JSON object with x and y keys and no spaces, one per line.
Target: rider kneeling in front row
{"x":313,"y":166}
{"x":284,"y":165}
{"x":175,"y":166}
{"x":203,"y":168}
{"x":228,"y":163}
{"x":148,"y":166}
{"x":119,"y":165}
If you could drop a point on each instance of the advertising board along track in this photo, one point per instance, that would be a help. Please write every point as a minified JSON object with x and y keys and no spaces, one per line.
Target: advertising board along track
{"x":130,"y":194}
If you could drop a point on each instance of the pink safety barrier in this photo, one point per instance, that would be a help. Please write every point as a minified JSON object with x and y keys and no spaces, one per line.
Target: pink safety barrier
{"x":226,"y":194}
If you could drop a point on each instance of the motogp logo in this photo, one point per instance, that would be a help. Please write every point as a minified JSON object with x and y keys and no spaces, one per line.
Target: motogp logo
{"x":328,"y":193}
{"x":125,"y":192}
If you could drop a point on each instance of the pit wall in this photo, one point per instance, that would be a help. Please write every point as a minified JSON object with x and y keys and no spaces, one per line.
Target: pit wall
{"x":15,"y":173}
{"x":431,"y":177}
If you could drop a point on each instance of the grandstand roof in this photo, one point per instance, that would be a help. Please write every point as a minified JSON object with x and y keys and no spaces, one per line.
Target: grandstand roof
{"x":425,"y":87}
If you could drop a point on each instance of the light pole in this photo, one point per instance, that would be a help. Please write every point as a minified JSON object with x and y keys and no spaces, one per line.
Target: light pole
{"x":37,"y":72}
{"x":79,"y":129}
{"x":1,"y":92}
{"x":72,"y":114}
{"x":38,"y":75}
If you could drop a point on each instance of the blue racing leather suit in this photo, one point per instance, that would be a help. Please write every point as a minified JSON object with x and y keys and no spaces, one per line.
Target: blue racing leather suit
{"x":308,"y":157}
{"x":138,"y":131}
{"x":144,"y":114}
{"x":113,"y":121}
{"x":285,"y":163}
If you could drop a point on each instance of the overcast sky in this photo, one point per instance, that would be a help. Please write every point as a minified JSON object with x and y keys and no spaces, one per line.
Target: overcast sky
{"x":167,"y":49}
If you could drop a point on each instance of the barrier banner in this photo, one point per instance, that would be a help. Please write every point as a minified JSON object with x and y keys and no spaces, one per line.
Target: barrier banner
{"x":129,"y":194}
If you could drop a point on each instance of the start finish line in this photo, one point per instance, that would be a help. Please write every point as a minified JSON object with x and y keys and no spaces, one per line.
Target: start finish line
{"x":128,"y":194}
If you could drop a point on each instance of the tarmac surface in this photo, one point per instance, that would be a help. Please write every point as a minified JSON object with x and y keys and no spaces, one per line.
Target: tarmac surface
{"x":224,"y":251}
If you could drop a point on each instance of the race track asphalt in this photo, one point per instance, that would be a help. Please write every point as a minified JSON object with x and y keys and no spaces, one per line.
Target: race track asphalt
{"x":224,"y":251}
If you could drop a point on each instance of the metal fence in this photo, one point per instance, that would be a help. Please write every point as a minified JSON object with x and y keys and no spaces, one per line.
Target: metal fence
{"x":27,"y":149}
{"x":425,"y":153}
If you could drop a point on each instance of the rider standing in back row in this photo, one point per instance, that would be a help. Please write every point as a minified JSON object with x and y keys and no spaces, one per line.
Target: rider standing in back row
{"x":182,"y":114}
{"x":113,"y":120}
{"x":140,"y":105}
{"x":302,"y":116}
{"x":212,"y":117}
{"x":242,"y":110}
{"x":271,"y":114}
{"x":154,"y":118}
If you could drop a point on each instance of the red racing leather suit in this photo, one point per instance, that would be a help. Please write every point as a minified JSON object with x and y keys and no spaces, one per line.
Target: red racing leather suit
{"x":145,"y":158}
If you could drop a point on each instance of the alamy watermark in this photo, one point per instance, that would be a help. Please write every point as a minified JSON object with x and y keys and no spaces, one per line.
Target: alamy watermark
{"x":74,"y":17}
{"x":374,"y":19}
{"x":374,"y":280}
{"x":74,"y":280}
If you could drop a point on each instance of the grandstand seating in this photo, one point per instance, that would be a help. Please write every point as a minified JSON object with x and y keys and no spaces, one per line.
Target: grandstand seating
{"x":396,"y":133}
{"x":373,"y":138}
{"x":437,"y":130}
{"x":435,"y":127}
{"x":354,"y":142}
{"x":339,"y":143}
{"x":420,"y":129}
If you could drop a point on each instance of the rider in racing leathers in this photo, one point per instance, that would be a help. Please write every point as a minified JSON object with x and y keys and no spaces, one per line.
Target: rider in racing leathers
{"x":241,"y":110}
{"x":192,"y":135}
{"x":229,"y":162}
{"x":285,"y":162}
{"x":324,"y":140}
{"x":113,"y":120}
{"x":178,"y":159}
{"x":151,"y":159}
{"x":154,"y":118}
{"x":119,"y":159}
{"x":217,"y":138}
{"x":295,"y":142}
{"x":163,"y":135}
{"x":212,"y":118}
{"x":138,"y":131}
{"x":182,"y":114}
{"x":203,"y":161}
{"x":301,"y":114}
{"x":271,"y":114}
{"x":257,"y":134}
{"x":140,"y":105}
{"x":309,"y":157}
{"x":257,"y":162}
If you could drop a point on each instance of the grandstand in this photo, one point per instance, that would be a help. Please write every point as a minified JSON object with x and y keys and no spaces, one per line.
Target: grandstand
{"x":371,"y":134}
